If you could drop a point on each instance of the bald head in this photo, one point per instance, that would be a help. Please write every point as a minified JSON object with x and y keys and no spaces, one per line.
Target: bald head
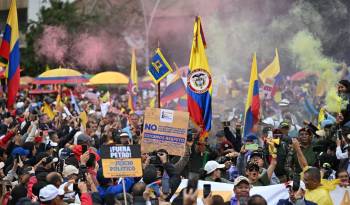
{"x":54,"y":178}
{"x":138,"y":189}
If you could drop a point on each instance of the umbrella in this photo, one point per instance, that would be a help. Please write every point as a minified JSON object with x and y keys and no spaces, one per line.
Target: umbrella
{"x":109,"y":77}
{"x":60,"y":76}
{"x":25,"y":80}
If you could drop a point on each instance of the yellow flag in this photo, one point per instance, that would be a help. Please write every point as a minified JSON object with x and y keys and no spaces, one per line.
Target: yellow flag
{"x":272,"y":70}
{"x":133,"y":83}
{"x":59,"y":104}
{"x":48,"y":111}
{"x":152,"y":103}
{"x":321,"y":117}
{"x":84,"y":118}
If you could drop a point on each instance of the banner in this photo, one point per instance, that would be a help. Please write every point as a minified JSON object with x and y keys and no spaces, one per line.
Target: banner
{"x":272,"y":193}
{"x":121,"y":161}
{"x":164,"y":129}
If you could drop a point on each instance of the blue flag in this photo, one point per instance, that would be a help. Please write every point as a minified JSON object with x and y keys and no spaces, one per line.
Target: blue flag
{"x":159,"y":67}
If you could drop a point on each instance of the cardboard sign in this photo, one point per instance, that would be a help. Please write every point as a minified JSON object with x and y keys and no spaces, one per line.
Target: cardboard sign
{"x":164,"y":129}
{"x":121,"y":161}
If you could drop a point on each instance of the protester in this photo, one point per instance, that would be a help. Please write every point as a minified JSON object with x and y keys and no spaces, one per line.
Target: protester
{"x":314,"y":190}
{"x":57,"y":159}
{"x":296,"y":192}
{"x":241,"y":190}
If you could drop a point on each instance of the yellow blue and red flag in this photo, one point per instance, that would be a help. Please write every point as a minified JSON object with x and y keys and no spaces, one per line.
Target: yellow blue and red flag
{"x":9,"y":50}
{"x":252,"y":107}
{"x":159,"y":67}
{"x":133,"y":83}
{"x":199,"y":82}
{"x":174,"y":90}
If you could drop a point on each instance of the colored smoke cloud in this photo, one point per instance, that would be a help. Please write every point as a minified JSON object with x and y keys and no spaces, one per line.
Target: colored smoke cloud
{"x":53,"y":44}
{"x":91,"y":51}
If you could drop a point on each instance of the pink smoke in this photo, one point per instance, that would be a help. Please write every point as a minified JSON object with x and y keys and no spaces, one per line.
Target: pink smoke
{"x":53,"y":44}
{"x":92,"y":51}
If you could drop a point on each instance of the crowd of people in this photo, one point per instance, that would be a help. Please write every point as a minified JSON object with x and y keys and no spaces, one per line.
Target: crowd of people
{"x":55,"y":159}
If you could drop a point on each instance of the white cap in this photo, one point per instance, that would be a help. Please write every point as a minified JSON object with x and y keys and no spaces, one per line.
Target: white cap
{"x":49,"y":192}
{"x":211,"y":166}
{"x":69,"y":170}
{"x":284,"y":103}
{"x":52,"y":143}
{"x":240,"y":179}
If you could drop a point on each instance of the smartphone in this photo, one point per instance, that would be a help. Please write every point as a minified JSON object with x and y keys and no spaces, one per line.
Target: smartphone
{"x":18,"y":158}
{"x":192,"y":184}
{"x":189,"y":135}
{"x":206,"y":190}
{"x":84,"y":148}
{"x":165,"y":186}
{"x":252,"y":147}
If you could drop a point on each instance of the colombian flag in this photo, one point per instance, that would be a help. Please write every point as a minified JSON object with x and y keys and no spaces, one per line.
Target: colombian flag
{"x":199,"y":82}
{"x":253,"y":103}
{"x":133,"y":84}
{"x":175,"y":89}
{"x":9,"y":50}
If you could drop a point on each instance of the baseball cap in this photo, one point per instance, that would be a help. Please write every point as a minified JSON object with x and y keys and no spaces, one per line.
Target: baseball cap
{"x":284,"y":103}
{"x":284,"y":124}
{"x":241,"y":179}
{"x":69,"y":170}
{"x":251,"y":137}
{"x":82,"y":138}
{"x":49,"y":192}
{"x":124,"y":134}
{"x":20,"y":151}
{"x":64,"y":153}
{"x":211,"y":166}
{"x":256,"y":154}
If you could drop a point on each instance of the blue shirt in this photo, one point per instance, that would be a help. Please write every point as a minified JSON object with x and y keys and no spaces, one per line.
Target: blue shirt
{"x":234,"y":201}
{"x":115,"y":189}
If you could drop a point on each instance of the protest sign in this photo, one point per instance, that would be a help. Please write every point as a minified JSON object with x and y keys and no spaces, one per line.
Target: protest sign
{"x":272,"y":193}
{"x":164,"y":129}
{"x":121,"y":161}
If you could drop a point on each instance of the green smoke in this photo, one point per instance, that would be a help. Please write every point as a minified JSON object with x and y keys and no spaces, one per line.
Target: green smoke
{"x":307,"y":52}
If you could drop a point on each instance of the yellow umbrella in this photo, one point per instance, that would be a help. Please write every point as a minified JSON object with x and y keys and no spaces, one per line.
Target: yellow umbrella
{"x":108,"y":77}
{"x":59,"y":76}
{"x":60,"y":72}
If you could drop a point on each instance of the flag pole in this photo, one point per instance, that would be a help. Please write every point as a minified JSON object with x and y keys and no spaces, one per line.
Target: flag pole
{"x":124,"y":191}
{"x":158,"y":97}
{"x":158,"y":85}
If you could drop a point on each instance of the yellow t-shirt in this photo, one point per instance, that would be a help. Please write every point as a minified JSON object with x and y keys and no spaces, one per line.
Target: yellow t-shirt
{"x":319,"y":196}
